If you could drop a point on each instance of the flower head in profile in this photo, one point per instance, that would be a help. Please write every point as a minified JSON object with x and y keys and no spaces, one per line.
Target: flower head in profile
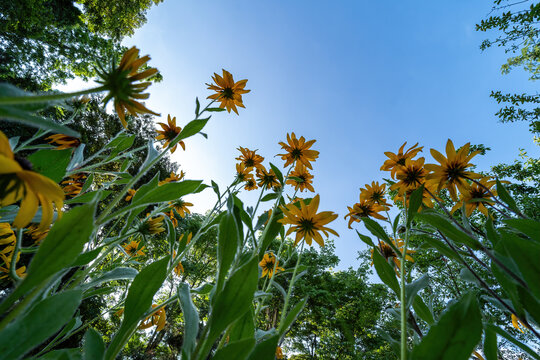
{"x":158,"y":319}
{"x":395,"y":161}
{"x":181,"y":207}
{"x":306,"y":222}
{"x":130,"y":195}
{"x":389,"y":254}
{"x":152,"y":225}
{"x":132,"y":249}
{"x":374,"y":193}
{"x":74,"y":184}
{"x":452,"y":171}
{"x":268,"y":263}
{"x":365,"y":208}
{"x":63,"y":141}
{"x":301,"y":178}
{"x":518,"y":324}
{"x":36,"y":234}
{"x":243,"y":173}
{"x":173,"y":177}
{"x":250,"y":158}
{"x":250,"y":184}
{"x":228,"y":92}
{"x":123,"y":84}
{"x":19,"y":182}
{"x":298,"y":150}
{"x":267,"y":178}
{"x":477,"y":196}
{"x":169,"y":132}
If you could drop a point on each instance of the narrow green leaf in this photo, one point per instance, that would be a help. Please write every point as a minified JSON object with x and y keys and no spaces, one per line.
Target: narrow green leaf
{"x":414,"y":203}
{"x":191,"y":320}
{"x":504,"y":195}
{"x":244,"y":327}
{"x":266,"y":349}
{"x":529,"y":227}
{"x":235,"y":350}
{"x":119,"y":273}
{"x":412,"y":289}
{"x":228,"y":244}
{"x":270,"y":232}
{"x":525,"y":254}
{"x":197,"y":106}
{"x":77,"y":158}
{"x":491,"y":233}
{"x":270,"y":196}
{"x":365,"y":239}
{"x":385,"y":271}
{"x":291,"y":317}
{"x":510,"y":338}
{"x":422,"y":310}
{"x":151,"y":153}
{"x":94,"y":348}
{"x":10,"y":113}
{"x":449,"y":230}
{"x":490,"y":344}
{"x":192,"y":128}
{"x":99,"y":195}
{"x":215,"y":109}
{"x":278,"y":173}
{"x":51,"y":163}
{"x":440,"y":247}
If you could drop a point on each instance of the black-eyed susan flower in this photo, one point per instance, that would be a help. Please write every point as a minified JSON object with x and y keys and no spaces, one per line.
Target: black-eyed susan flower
{"x":476,"y":197}
{"x":36,"y":234}
{"x":301,"y":178}
{"x":250,"y":158}
{"x":181,"y":207}
{"x":173,"y":177}
{"x":63,"y":141}
{"x":395,"y":161}
{"x":130,"y":195}
{"x":374,"y":193}
{"x":158,"y":319}
{"x":306,"y":222}
{"x":267,"y":265}
{"x":19,"y":182}
{"x":267,"y":178}
{"x":389,"y":254}
{"x":73,"y":185}
{"x":411,"y":175}
{"x":298,"y":150}
{"x":152,"y":225}
{"x":428,"y":195}
{"x":228,"y":92}
{"x":250,"y":184}
{"x":169,"y":133}
{"x":452,"y":171}
{"x":279,"y":353}
{"x":243,"y":173}
{"x":365,"y":208}
{"x":132,"y":249}
{"x":122,"y":82}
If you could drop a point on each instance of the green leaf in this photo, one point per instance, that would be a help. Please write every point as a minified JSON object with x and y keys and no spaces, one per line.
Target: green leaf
{"x":169,"y":192}
{"x":525,"y":254}
{"x":40,"y":323}
{"x":365,"y":239}
{"x":490,"y":344}
{"x":440,"y":247}
{"x":151,"y":154}
{"x":215,"y":187}
{"x":266,"y":349}
{"x":504,"y":195}
{"x":64,"y":243}
{"x":291,"y":317}
{"x":197,"y":106}
{"x":529,"y":227}
{"x":215,"y":109}
{"x":51,"y":163}
{"x":270,"y":196}
{"x":278,"y":173}
{"x":120,"y":143}
{"x":385,"y":271}
{"x":94,"y":348}
{"x":192,"y":128}
{"x":10,"y":113}
{"x":86,"y":257}
{"x":89,"y":196}
{"x":449,"y":230}
{"x":412,"y":289}
{"x":510,"y":338}
{"x":376,"y":229}
{"x":228,"y":244}
{"x":491,"y":233}
{"x":455,"y":335}
{"x":77,"y":158}
{"x":191,"y":320}
{"x":422,"y":310}
{"x":414,"y":203}
{"x":119,"y":273}
{"x":244,"y":327}
{"x":270,"y":232}
{"x":235,"y":350}
{"x":138,"y":301}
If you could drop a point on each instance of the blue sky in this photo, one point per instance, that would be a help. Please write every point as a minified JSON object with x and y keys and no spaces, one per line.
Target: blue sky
{"x":361,"y":77}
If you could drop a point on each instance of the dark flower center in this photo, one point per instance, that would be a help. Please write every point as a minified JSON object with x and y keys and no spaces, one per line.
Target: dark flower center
{"x":249,"y":162}
{"x":455,"y":171}
{"x":307,"y":225}
{"x":401,"y":161}
{"x":171,"y":134}
{"x":296,"y":153}
{"x":227,"y":93}
{"x":386,"y":251}
{"x":413,"y":175}
{"x":25,"y":164}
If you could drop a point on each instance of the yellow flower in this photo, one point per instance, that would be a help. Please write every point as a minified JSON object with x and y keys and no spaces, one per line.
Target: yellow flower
{"x":171,"y":216}
{"x":173,"y":177}
{"x":63,"y":141}
{"x":389,"y":254}
{"x":21,"y":272}
{"x":36,"y":235}
{"x":228,"y":92}
{"x":19,"y":182}
{"x":132,"y":249}
{"x":411,"y":175}
{"x":298,"y":151}
{"x":476,"y":196}
{"x":268,"y":263}
{"x":305,"y":221}
{"x":305,"y":177}
{"x":73,"y":185}
{"x":250,"y":159}
{"x":451,"y":172}
{"x":374,"y":193}
{"x":243,"y":173}
{"x":122,"y":84}
{"x":427,"y":198}
{"x":159,"y":319}
{"x":267,"y":179}
{"x":188,"y":240}
{"x":169,"y":133}
{"x":131,"y":194}
{"x":279,"y":353}
{"x":516,"y":323}
{"x":251,"y":184}
{"x":364,"y":208}
{"x":152,"y":226}
{"x":181,"y":207}
{"x":395,"y":161}
{"x":7,"y":236}
{"x":179,"y":268}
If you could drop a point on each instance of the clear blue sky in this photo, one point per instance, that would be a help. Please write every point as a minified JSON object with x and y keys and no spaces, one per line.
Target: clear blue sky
{"x":361,"y":77}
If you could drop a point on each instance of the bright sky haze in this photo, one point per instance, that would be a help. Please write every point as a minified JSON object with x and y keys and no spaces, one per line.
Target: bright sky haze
{"x":360,"y":77}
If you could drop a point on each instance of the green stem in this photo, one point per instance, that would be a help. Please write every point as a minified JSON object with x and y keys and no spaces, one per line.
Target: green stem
{"x":291,"y":285}
{"x":403,"y":300}
{"x":16,"y":100}
{"x":13,"y":264}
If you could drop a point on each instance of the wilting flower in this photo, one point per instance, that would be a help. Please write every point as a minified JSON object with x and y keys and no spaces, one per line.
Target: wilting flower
{"x":152,"y":226}
{"x":63,"y":141}
{"x":268,"y":263}
{"x":131,"y":194}
{"x":411,"y":175}
{"x":389,"y":254}
{"x":181,"y":207}
{"x":171,"y":216}
{"x":159,"y":319}
{"x":451,"y":172}
{"x":305,"y":221}
{"x":374,"y":193}
{"x":279,"y":353}
{"x":518,"y":324}
{"x":36,"y":234}
{"x":249,"y":158}
{"x":364,"y":208}
{"x":476,"y":197}
{"x":303,"y":179}
{"x":169,"y":133}
{"x":395,"y":161}
{"x":228,"y":92}
{"x":172,"y":178}
{"x":132,"y":249}
{"x":122,"y":83}
{"x":7,"y":236}
{"x":250,"y":184}
{"x":298,"y":151}
{"x":19,"y":182}
{"x":179,"y":268}
{"x":73,"y":185}
{"x":243,"y":173}
{"x":267,"y":178}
